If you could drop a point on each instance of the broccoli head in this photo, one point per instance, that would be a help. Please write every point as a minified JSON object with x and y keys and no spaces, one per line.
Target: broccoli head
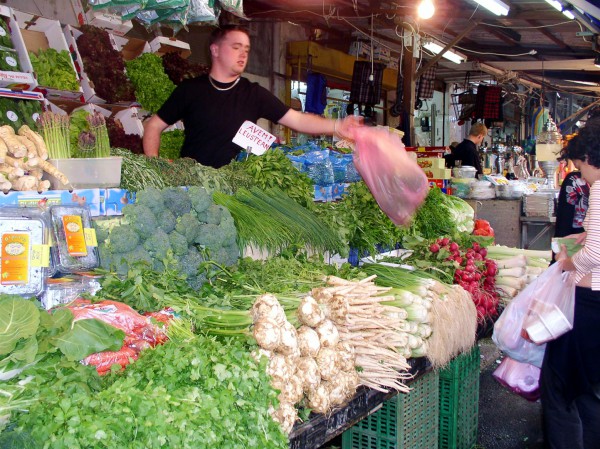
{"x":209,"y":236}
{"x":177,"y":200}
{"x":151,"y":197}
{"x":158,"y":244}
{"x":227,"y":229}
{"x":225,"y":255}
{"x":201,"y":198}
{"x":141,"y":218}
{"x":179,"y":243}
{"x":120,"y":262}
{"x":166,"y":220}
{"x":188,"y":226}
{"x":191,"y":262}
{"x":101,"y":231}
{"x":212,"y":215}
{"x":123,"y":239}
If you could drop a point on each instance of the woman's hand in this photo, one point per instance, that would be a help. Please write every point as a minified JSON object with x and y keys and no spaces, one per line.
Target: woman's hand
{"x":343,"y":128}
{"x":562,"y":254}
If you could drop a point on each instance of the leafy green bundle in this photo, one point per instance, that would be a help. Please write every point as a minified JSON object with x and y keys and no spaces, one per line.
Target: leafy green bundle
{"x":152,"y":85}
{"x":270,"y":220}
{"x":55,"y":69}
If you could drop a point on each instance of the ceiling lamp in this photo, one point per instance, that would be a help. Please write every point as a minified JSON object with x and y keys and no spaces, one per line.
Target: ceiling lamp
{"x":450,"y":55}
{"x":498,"y":7}
{"x":559,"y":7}
{"x":426,"y":9}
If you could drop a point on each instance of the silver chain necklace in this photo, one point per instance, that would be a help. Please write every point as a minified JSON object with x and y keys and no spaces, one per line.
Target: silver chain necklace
{"x":222,"y":88}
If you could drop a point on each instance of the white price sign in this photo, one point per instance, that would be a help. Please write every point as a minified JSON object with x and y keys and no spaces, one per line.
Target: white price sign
{"x":253,"y":138}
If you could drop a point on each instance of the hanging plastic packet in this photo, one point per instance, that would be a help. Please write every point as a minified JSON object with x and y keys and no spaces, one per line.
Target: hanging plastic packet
{"x":396,"y":181}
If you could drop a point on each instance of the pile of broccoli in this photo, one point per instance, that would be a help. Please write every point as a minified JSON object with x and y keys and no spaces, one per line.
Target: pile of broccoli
{"x":184,"y":226}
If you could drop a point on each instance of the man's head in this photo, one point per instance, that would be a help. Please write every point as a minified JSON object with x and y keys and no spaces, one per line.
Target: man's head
{"x":229,"y":48}
{"x":477,"y":133}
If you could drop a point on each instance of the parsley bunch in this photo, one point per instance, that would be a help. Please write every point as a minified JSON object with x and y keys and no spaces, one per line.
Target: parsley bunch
{"x":198,"y":393}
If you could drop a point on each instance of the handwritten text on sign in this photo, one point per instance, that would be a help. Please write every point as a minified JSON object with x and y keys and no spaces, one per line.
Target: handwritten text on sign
{"x":253,"y":138}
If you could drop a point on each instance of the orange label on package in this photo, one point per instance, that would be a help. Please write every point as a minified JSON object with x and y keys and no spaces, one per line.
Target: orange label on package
{"x":74,"y":235}
{"x":15,"y":259}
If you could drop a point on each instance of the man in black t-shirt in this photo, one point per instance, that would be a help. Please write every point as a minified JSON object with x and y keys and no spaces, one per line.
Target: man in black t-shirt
{"x":467,"y":152}
{"x":214,"y":106}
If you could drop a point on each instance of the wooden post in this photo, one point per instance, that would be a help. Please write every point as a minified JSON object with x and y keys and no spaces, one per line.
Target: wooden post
{"x":409,"y":67}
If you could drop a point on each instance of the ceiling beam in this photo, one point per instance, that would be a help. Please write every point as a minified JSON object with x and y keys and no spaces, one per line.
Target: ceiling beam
{"x":570,"y":64}
{"x":448,"y":46}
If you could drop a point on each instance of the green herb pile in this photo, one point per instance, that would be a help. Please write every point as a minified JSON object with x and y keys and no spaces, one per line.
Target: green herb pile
{"x":139,"y":172}
{"x":54,"y":69}
{"x":152,"y":85}
{"x":192,"y":392}
{"x":270,"y":220}
{"x":170,"y":144}
{"x":274,"y":169}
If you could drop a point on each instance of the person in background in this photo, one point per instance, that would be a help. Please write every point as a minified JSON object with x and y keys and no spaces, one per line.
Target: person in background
{"x":449,"y":156}
{"x":214,"y":106}
{"x":570,"y":379}
{"x":466,"y":152}
{"x":572,"y":202}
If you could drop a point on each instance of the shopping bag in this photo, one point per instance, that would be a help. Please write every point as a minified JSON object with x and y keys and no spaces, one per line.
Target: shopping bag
{"x":551,"y":310}
{"x":396,"y":181}
{"x":508,"y":328}
{"x":520,"y":378}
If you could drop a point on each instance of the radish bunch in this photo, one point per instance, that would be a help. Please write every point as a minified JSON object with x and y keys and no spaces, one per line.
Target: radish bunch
{"x":474,"y":272}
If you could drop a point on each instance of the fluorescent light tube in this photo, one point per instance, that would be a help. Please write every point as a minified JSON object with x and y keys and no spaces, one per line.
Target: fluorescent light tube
{"x":498,"y":7}
{"x":450,"y":55}
{"x":559,"y":7}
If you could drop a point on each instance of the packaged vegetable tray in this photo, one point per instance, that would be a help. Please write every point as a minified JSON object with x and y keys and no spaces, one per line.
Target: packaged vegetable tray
{"x":23,"y":260}
{"x":76,"y":248}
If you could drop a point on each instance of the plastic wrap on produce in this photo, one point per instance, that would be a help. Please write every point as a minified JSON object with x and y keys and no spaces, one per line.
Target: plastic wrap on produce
{"x":24,"y":252}
{"x":396,"y":181}
{"x":319,"y":167}
{"x":140,"y":331}
{"x":74,"y":236}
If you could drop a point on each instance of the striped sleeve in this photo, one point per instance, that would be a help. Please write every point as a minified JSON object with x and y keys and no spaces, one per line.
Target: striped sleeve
{"x":588,"y":258}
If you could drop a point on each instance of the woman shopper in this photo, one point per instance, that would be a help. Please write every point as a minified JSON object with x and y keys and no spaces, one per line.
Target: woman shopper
{"x":570,"y":382}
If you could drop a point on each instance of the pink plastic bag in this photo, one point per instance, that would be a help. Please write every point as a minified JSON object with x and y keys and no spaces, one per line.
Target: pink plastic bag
{"x":520,"y":378}
{"x":396,"y":181}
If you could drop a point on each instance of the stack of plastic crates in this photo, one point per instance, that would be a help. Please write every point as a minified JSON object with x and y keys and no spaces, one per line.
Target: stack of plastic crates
{"x":406,"y":421}
{"x":459,"y":401}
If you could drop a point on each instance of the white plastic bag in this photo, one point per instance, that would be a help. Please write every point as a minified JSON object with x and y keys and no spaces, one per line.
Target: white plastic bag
{"x":551,"y":310}
{"x":508,"y":327}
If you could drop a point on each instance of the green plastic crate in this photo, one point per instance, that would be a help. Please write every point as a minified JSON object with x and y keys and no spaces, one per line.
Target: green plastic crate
{"x":459,"y":401}
{"x":406,"y":421}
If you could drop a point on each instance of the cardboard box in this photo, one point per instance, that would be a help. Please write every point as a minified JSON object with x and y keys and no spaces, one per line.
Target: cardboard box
{"x":133,"y":48}
{"x":360,"y":49}
{"x":161,"y":45}
{"x":86,"y":173}
{"x":92,"y":108}
{"x":89,"y":197}
{"x":110,"y":22}
{"x":23,"y":80}
{"x":116,"y":199}
{"x":441,"y":183}
{"x":131,"y":120}
{"x":323,"y":193}
{"x":40,"y":33}
{"x":431,"y":163}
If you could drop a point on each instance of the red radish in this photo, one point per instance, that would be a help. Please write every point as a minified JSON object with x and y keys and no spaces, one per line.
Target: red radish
{"x":434,"y":247}
{"x":444,"y":241}
{"x":454,"y":246}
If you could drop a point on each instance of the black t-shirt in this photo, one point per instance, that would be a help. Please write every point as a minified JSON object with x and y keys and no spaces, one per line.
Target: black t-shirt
{"x":467,"y":153}
{"x":212,"y":117}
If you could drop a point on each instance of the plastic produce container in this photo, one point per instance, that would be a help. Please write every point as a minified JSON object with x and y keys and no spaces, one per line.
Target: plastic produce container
{"x":87,"y":173}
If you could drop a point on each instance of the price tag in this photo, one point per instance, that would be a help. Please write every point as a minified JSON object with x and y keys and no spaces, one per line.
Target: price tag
{"x":40,"y":255}
{"x":253,"y":138}
{"x":90,"y":237}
